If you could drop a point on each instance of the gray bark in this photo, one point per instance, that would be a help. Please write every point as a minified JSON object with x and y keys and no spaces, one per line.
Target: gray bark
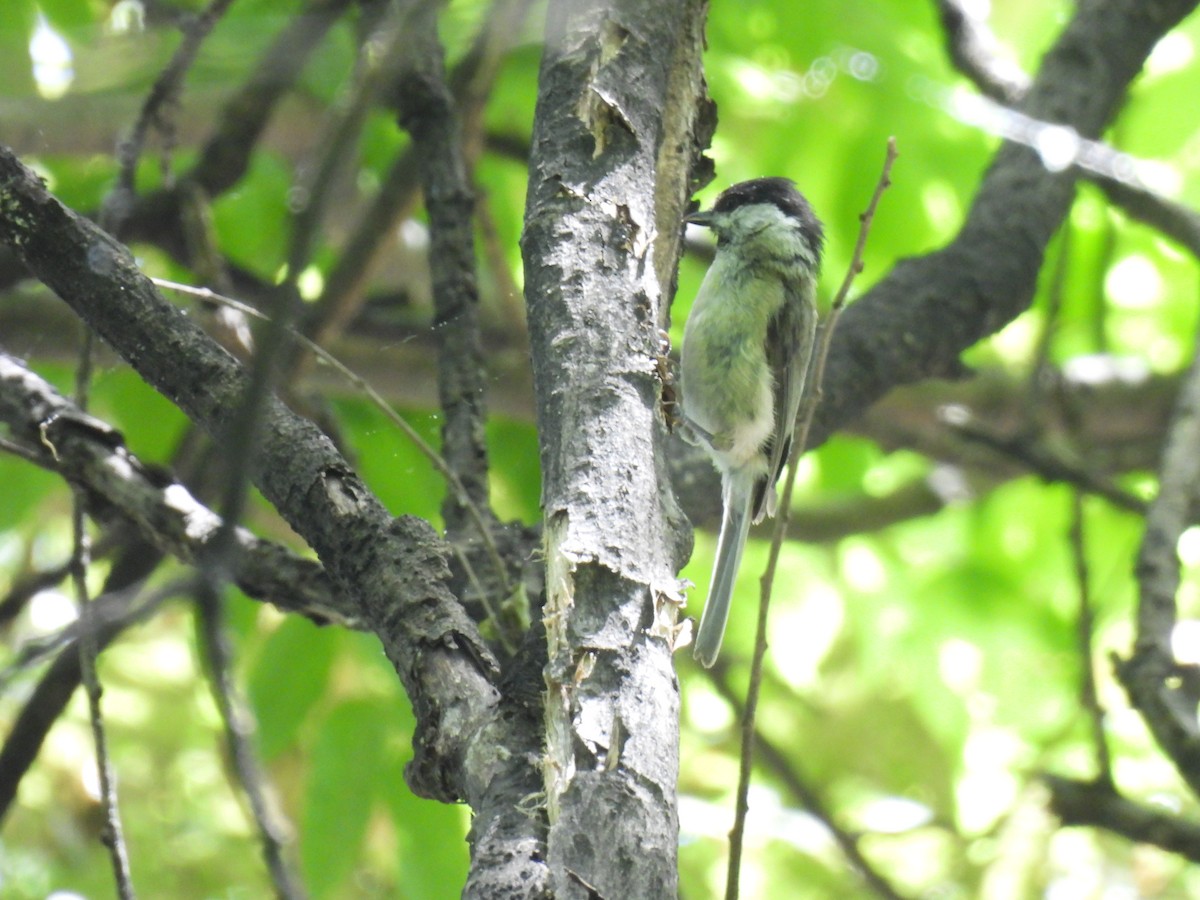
{"x":620,"y":120}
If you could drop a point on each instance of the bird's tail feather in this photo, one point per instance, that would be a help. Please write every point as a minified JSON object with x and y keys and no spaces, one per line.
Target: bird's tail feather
{"x":735,"y":522}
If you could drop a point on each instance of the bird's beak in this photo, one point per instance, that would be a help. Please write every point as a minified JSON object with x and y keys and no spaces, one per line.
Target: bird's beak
{"x":700,"y":217}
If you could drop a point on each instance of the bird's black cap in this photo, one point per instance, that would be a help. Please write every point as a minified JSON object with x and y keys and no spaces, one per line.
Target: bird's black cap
{"x":778,"y":192}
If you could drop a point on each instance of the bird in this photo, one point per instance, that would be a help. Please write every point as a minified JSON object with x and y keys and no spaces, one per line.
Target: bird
{"x":747,"y":348}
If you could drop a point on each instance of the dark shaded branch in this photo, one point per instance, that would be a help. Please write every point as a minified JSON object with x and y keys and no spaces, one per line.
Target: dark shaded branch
{"x":917,"y":320}
{"x":427,"y":111}
{"x":1176,"y":221}
{"x":1165,"y":692}
{"x":155,"y":114}
{"x":975,"y":52}
{"x":226,"y":156}
{"x":395,"y":568}
{"x":1098,"y":805}
{"x":92,"y":455}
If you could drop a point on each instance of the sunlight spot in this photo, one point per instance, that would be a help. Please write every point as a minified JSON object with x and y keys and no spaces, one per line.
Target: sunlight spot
{"x":819,"y":618}
{"x":769,"y":85}
{"x":164,"y":661}
{"x":53,"y":66}
{"x":1134,"y":283}
{"x":51,"y":610}
{"x":892,"y":815}
{"x":1188,"y":547}
{"x":754,"y":81}
{"x":988,"y":788}
{"x":863,"y":66}
{"x":943,"y":207}
{"x":862,"y":569}
{"x":127,"y":16}
{"x":820,"y":76}
{"x":1160,"y":177}
{"x":126,"y":706}
{"x":413,"y":234}
{"x":1185,"y":641}
{"x":950,"y":484}
{"x":1016,"y":340}
{"x":708,"y":712}
{"x":960,"y":664}
{"x":1057,"y":145}
{"x":1171,"y":54}
{"x":311,"y":283}
{"x":89,"y":778}
{"x":1099,"y":369}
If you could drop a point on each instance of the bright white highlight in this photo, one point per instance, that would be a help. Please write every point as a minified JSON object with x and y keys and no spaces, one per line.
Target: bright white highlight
{"x":1134,"y":283}
{"x":53,"y":62}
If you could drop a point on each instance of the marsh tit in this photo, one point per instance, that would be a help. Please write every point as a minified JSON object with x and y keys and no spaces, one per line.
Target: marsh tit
{"x":747,"y":346}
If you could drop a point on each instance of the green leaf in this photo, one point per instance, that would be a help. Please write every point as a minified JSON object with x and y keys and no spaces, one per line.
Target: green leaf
{"x":290,"y":675}
{"x":348,"y":764}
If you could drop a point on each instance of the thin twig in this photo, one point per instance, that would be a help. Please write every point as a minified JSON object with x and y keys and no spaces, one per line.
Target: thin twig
{"x":48,"y":700}
{"x":112,"y":834}
{"x":1042,"y":373}
{"x":804,"y":791}
{"x":239,"y":728}
{"x":1048,"y":466}
{"x":380,"y":403}
{"x":164,"y":94}
{"x":1088,"y":696}
{"x":817,"y":371}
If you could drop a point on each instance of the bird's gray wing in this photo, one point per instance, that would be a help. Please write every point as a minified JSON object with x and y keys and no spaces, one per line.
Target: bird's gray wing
{"x":791,"y":337}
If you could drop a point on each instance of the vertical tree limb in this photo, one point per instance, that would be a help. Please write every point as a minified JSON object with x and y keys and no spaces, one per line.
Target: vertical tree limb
{"x":621,"y":107}
{"x":1165,"y":692}
{"x":427,"y":111}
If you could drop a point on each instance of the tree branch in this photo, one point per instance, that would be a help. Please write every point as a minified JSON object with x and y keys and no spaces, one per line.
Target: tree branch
{"x":92,"y":455}
{"x":975,"y":52}
{"x":1097,"y":804}
{"x":226,"y":156}
{"x":621,"y":105}
{"x":1165,"y":692}
{"x":426,"y":110}
{"x":916,"y":321}
{"x":394,"y":568}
